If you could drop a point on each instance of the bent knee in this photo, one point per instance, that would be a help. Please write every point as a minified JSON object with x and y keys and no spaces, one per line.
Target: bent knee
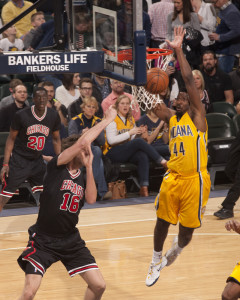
{"x":29,"y":294}
{"x":99,"y":288}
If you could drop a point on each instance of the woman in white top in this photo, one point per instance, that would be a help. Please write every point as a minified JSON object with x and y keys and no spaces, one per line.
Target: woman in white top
{"x":183,"y":15}
{"x":122,"y":146}
{"x":69,"y":91}
{"x":207,"y":18}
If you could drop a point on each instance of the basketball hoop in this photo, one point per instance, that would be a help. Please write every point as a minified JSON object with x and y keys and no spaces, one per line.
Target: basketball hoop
{"x":162,"y":57}
{"x":146,"y":100}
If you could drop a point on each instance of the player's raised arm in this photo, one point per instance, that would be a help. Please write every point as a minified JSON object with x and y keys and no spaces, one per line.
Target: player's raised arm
{"x":87,"y":138}
{"x":198,"y":112}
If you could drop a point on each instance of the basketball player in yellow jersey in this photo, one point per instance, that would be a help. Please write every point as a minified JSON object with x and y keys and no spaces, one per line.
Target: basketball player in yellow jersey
{"x":186,"y":185}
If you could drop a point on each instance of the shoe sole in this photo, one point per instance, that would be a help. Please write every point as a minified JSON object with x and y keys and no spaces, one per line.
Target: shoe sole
{"x":163,"y":264}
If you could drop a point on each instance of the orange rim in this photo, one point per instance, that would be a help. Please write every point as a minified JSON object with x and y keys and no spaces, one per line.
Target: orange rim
{"x":126,"y":54}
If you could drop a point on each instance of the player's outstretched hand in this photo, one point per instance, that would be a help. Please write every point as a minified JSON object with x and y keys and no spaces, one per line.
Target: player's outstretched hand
{"x":179,"y":33}
{"x":233,"y":225}
{"x":110,"y":113}
{"x":87,"y":156}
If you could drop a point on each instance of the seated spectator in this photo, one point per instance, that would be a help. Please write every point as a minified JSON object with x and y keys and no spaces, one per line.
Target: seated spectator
{"x":14,"y":8}
{"x":69,"y":90}
{"x":118,"y":90}
{"x":156,"y":134}
{"x":121,"y":145}
{"x":103,"y":84}
{"x":200,"y":85}
{"x":37,"y":20}
{"x":87,"y":89}
{"x":8,"y":112}
{"x":81,"y":123}
{"x":9,"y":99}
{"x":217,"y":83}
{"x":54,"y":103}
{"x":10,"y":42}
{"x":207,"y":19}
{"x":227,"y":35}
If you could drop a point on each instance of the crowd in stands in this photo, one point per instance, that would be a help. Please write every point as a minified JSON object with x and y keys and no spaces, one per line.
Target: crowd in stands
{"x":212,"y":47}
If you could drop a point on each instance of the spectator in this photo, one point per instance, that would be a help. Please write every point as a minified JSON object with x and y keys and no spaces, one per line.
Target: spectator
{"x":8,"y":112}
{"x":87,"y":89}
{"x":48,"y":151}
{"x":121,"y":145}
{"x":158,"y":13}
{"x":218,"y":84}
{"x":9,"y":99}
{"x":54,"y":103}
{"x":235,"y":77}
{"x":200,"y":85}
{"x":183,"y":15}
{"x":207,"y":19}
{"x":227,"y":34}
{"x":14,"y":8}
{"x":23,"y":151}
{"x":69,"y":90}
{"x":37,"y":20}
{"x":118,"y":90}
{"x":103,"y":84}
{"x":125,"y":24}
{"x":80,"y":124}
{"x":156,"y":134}
{"x":232,"y":170}
{"x":10,"y":43}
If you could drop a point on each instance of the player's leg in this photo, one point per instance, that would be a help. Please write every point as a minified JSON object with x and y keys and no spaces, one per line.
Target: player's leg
{"x":167,"y":213}
{"x":231,"y":291}
{"x":179,"y":242}
{"x":96,"y":284}
{"x":31,"y":286}
{"x":3,"y":201}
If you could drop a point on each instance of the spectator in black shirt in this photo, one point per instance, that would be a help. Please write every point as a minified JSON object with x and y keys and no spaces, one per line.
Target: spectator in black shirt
{"x":218,"y":83}
{"x":7,"y":113}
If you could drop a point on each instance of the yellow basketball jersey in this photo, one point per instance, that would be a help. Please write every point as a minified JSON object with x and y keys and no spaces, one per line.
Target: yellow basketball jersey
{"x":188,"y":146}
{"x":121,"y":128}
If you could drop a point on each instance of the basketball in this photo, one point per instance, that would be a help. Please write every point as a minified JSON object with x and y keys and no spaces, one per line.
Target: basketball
{"x":157,"y":81}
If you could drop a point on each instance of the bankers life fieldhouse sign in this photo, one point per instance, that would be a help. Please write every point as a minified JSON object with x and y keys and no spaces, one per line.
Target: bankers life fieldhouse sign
{"x":51,"y":62}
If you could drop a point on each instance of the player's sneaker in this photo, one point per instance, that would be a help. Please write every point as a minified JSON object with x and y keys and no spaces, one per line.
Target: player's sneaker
{"x":172,"y":253}
{"x":154,"y":272}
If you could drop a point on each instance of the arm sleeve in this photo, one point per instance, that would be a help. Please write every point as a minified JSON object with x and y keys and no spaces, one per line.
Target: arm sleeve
{"x":233,"y":23}
{"x":113,"y":138}
{"x":195,"y":21}
{"x":169,"y":27}
{"x":209,"y":20}
{"x":72,"y":128}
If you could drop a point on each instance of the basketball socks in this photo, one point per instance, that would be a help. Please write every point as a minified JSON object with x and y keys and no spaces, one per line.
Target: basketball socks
{"x":156,"y":256}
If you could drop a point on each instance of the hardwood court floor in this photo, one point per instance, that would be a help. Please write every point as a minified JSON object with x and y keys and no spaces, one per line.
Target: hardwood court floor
{"x":120,"y":238}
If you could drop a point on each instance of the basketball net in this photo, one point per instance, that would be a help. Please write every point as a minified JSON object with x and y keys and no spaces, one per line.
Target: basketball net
{"x":146,"y":100}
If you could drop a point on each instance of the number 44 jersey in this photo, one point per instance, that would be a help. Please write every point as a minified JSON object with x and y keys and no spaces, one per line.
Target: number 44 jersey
{"x":188,"y":146}
{"x":33,"y":131}
{"x":61,"y":200}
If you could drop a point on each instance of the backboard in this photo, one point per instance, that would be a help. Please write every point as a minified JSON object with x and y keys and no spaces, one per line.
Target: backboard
{"x":88,"y":37}
{"x":116,"y":27}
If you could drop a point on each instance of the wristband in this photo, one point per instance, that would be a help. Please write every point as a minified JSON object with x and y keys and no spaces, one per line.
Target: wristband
{"x":5,"y":165}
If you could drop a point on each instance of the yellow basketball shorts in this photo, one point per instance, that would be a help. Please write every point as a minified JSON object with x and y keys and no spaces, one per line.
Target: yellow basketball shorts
{"x":235,"y":276}
{"x":183,"y":198}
